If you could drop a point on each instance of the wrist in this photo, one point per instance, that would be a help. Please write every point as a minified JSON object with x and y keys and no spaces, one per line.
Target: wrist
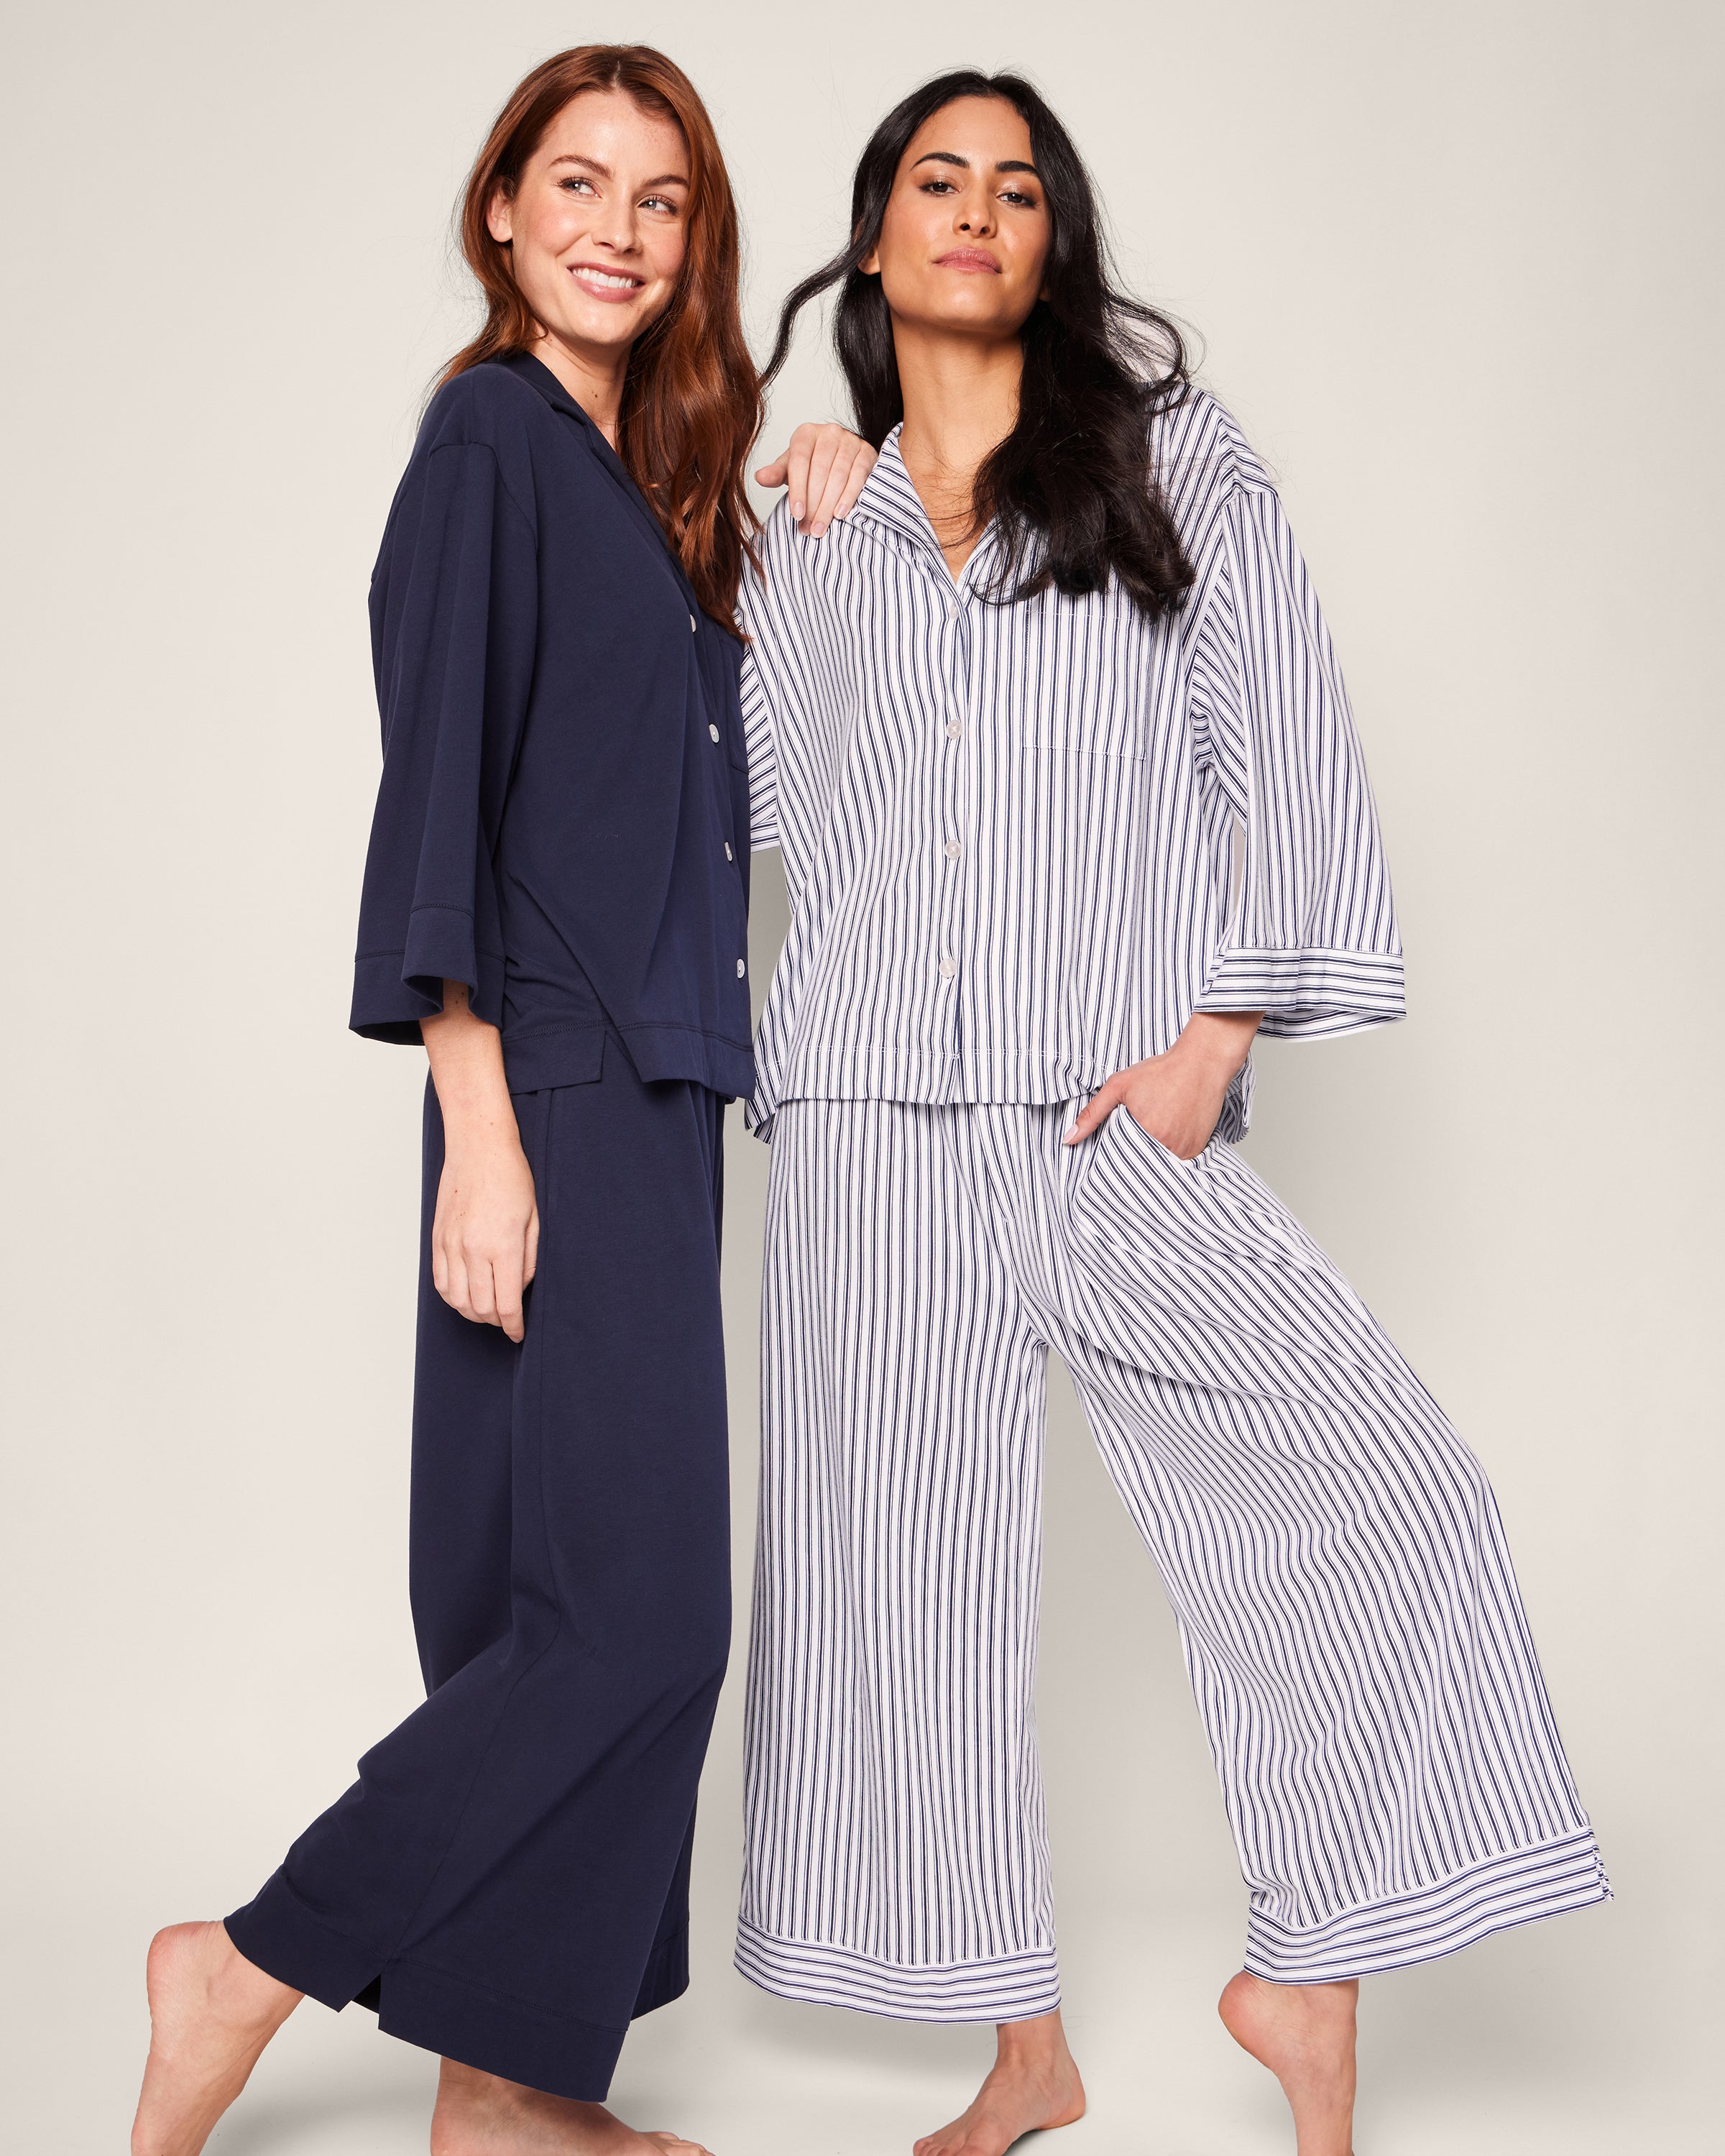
{"x":476,"y":1125}
{"x":1219,"y":1041}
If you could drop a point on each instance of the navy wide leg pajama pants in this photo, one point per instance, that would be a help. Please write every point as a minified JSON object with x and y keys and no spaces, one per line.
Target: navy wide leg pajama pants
{"x":507,"y":1881}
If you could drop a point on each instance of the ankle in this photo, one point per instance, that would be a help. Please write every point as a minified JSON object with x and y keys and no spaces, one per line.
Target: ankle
{"x":462,"y":2084}
{"x":240,"y":1989}
{"x":1036,"y":2046}
{"x":470,"y":2089}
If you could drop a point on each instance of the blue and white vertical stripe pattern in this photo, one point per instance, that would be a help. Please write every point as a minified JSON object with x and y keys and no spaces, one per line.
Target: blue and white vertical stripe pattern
{"x":1332,"y":1554}
{"x":1024,"y":842}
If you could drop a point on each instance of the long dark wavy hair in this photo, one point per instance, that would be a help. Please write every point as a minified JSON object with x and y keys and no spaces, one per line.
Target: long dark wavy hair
{"x":1071,"y":486}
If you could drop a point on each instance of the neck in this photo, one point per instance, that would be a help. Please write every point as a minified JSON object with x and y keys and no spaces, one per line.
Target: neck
{"x":594,"y":379}
{"x":961,"y":402}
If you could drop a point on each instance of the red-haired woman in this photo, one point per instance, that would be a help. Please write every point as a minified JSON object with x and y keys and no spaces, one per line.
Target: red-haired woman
{"x":556,"y":903}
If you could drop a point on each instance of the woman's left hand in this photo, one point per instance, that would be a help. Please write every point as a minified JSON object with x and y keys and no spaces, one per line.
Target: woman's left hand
{"x":824,"y":467}
{"x":1178,"y":1098}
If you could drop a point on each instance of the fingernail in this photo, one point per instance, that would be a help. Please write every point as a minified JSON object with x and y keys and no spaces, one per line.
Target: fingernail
{"x":820,"y":530}
{"x":797,"y":512}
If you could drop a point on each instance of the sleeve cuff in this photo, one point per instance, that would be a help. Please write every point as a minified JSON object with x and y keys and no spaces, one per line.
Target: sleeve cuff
{"x":1307,"y":994}
{"x":392,"y":990}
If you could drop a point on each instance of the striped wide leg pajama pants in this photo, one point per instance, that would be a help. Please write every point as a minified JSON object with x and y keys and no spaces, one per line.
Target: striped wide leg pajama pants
{"x":1333,"y":1555}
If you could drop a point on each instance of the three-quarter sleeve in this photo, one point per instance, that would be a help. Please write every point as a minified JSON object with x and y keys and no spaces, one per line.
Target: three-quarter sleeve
{"x":1311,"y":938}
{"x":763,"y":760}
{"x":454,"y":623}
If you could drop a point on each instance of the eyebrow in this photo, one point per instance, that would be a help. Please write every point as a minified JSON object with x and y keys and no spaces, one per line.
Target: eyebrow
{"x":605,"y":172}
{"x":951,"y":157}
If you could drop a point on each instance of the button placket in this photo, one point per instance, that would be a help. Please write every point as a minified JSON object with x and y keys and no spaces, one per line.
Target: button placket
{"x":951,"y":813}
{"x":716,"y":737}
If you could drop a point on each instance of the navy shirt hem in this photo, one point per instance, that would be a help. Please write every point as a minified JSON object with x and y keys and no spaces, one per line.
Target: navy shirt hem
{"x":661,"y":1051}
{"x":574,"y":1056}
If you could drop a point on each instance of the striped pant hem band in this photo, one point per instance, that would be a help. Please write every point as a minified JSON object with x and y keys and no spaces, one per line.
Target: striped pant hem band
{"x":1012,"y":1990}
{"x":1519,"y":1888}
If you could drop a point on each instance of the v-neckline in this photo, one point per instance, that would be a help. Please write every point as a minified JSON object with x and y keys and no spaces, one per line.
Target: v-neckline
{"x":541,"y":378}
{"x":892,"y":497}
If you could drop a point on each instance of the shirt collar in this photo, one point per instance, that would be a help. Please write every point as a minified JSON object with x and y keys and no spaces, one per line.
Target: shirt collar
{"x":889,"y":499}
{"x":538,"y":376}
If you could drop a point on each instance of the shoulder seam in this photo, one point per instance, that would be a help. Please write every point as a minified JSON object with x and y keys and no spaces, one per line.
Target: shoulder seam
{"x":438,"y":449}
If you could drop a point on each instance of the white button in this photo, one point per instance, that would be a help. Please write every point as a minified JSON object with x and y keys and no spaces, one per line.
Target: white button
{"x":949,"y":966}
{"x":953,"y":850}
{"x":741,"y":969}
{"x":714,"y":732}
{"x":954,"y":730}
{"x":693,"y":624}
{"x":729,"y":855}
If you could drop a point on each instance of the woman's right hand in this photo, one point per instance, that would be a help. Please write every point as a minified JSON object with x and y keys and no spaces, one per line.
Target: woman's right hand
{"x":825,"y":466}
{"x":484,"y":1234}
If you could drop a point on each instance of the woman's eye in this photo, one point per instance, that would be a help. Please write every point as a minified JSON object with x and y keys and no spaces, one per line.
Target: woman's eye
{"x":1022,"y":201}
{"x":574,"y":182}
{"x":938,"y":188}
{"x":659,"y":202}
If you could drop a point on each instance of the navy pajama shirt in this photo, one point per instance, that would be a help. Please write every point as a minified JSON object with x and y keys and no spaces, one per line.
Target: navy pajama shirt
{"x":563,"y":825}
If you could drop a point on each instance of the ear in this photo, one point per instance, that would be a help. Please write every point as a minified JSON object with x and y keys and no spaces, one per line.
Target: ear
{"x":871,"y":263}
{"x":499,"y":222}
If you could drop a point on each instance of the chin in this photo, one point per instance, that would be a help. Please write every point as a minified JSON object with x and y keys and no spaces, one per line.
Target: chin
{"x":603,"y":326}
{"x":986,"y":321}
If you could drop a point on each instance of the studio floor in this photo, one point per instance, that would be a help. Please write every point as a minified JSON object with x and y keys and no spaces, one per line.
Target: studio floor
{"x":1449,"y":2063}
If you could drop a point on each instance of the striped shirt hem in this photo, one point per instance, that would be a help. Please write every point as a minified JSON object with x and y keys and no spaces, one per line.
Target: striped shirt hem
{"x":1518,"y":1888}
{"x":1012,"y":1990}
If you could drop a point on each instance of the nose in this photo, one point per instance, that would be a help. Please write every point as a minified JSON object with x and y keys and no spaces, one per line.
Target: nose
{"x":976,"y":216}
{"x":617,"y":228}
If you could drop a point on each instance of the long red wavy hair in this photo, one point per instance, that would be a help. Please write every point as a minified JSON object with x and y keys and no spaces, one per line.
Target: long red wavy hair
{"x":691,"y":396}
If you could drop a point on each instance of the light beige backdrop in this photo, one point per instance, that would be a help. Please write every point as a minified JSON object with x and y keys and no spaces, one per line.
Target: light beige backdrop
{"x":1456,"y":270}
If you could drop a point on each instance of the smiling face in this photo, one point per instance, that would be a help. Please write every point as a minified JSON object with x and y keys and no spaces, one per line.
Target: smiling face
{"x":967,"y":231}
{"x":598,"y":223}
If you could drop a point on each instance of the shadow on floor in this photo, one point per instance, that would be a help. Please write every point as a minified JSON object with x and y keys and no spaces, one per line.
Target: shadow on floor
{"x":280,"y":2124}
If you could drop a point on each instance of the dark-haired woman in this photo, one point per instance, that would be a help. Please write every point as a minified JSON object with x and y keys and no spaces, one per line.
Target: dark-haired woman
{"x":1053,"y":741}
{"x":556,"y":903}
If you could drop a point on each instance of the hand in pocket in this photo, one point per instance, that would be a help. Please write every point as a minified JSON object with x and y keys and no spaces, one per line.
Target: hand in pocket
{"x":1177,"y":1098}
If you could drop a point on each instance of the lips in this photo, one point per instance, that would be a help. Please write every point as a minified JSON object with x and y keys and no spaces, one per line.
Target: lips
{"x":968,"y":258}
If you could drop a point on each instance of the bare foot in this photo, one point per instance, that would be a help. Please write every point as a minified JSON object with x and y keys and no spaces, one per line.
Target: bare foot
{"x":211,"y":2014}
{"x":1033,"y":2083}
{"x":1304,"y":2033}
{"x":479,"y":2115}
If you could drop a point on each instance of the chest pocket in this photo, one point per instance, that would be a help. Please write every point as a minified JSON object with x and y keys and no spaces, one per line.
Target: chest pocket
{"x":1088,"y":685}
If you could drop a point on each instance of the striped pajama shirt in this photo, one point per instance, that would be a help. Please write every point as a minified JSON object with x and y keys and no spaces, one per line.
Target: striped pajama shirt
{"x":1024,"y":842}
